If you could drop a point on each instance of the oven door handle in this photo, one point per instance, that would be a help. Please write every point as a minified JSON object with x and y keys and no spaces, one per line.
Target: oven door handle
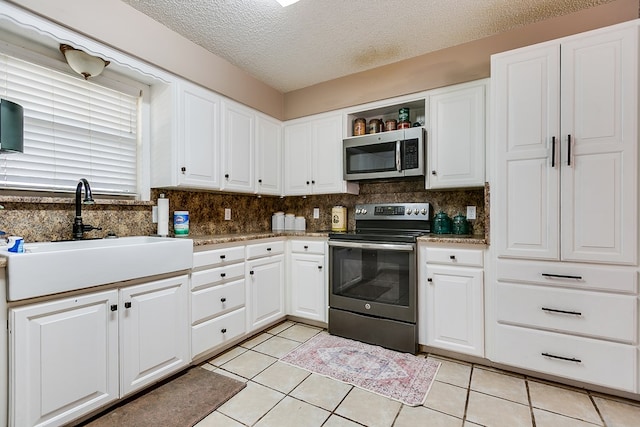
{"x":408,"y":247}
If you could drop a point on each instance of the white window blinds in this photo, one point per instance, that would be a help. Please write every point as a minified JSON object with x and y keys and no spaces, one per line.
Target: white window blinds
{"x":72,"y":129}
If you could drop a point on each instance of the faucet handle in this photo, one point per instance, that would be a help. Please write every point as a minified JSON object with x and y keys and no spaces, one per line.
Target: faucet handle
{"x":88,"y":227}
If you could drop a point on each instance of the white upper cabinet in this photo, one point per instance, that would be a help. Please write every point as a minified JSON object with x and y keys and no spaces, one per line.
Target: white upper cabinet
{"x":185,"y":136}
{"x":456,"y":136}
{"x":268,"y":175}
{"x":313,"y":156}
{"x":565,"y":134}
{"x":237,"y":148}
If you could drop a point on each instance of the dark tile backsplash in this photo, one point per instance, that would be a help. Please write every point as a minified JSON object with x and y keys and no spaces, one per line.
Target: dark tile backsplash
{"x":52,"y":221}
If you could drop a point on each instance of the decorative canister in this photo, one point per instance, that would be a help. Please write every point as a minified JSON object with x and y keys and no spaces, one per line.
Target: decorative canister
{"x":460,"y":224}
{"x":403,"y":115}
{"x":339,"y":218}
{"x":375,"y":126}
{"x":390,"y":125}
{"x":289,"y":222}
{"x":441,"y":223}
{"x":181,"y":223}
{"x":359,"y":127}
{"x":404,"y":125}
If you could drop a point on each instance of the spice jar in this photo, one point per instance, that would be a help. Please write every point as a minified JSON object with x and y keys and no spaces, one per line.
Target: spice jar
{"x":359,"y":127}
{"x":390,"y":125}
{"x":404,"y":125}
{"x":375,"y":126}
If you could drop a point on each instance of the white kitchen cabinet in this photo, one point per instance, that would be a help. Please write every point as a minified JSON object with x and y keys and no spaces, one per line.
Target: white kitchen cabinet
{"x":313,"y":156}
{"x":565,"y":130}
{"x":456,"y":131}
{"x":265,"y":283}
{"x":218,"y":298}
{"x":451,"y":299}
{"x":73,"y":355}
{"x":185,"y":136}
{"x":308,"y":280}
{"x":63,"y":358}
{"x":237,"y":147}
{"x":268,"y":170}
{"x":154,"y":331}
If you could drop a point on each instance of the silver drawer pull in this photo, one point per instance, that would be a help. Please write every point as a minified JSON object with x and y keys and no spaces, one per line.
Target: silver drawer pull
{"x":568,"y":359}
{"x":561,"y":276}
{"x":553,"y":310}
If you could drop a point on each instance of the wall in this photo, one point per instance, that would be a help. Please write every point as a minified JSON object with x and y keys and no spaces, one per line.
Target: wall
{"x":466,"y":62}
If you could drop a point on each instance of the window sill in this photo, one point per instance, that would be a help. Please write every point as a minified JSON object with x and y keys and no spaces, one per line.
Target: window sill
{"x":71,"y":200}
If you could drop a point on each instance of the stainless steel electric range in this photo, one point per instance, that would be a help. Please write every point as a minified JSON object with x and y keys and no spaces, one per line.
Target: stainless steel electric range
{"x":373,"y":278}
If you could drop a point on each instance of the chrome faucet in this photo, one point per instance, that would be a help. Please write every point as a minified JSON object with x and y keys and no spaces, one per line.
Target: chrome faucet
{"x":78,"y":227}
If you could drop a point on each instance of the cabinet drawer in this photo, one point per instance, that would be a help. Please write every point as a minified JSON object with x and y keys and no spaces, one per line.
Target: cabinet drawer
{"x":455,"y":256}
{"x":208,"y":335}
{"x":215,"y":276}
{"x":259,"y":250}
{"x":307,"y":247}
{"x":211,"y":302}
{"x":595,"y":314}
{"x":598,"y":362}
{"x":573,"y":275}
{"x":218,"y":256}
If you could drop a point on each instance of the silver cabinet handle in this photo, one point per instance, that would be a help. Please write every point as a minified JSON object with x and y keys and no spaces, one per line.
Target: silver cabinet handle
{"x":398,"y":163}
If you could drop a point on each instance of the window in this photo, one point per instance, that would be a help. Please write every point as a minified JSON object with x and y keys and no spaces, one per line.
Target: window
{"x":73,"y":129}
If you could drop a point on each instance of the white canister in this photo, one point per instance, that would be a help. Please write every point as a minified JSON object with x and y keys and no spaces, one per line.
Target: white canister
{"x":289,"y":222}
{"x":300,"y":224}
{"x":277,"y":221}
{"x":181,"y":223}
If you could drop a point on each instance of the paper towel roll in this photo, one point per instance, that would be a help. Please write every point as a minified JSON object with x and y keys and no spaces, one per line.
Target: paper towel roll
{"x":163,"y":217}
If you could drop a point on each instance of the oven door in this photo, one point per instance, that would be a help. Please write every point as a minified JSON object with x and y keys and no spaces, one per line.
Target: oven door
{"x":372,"y":278}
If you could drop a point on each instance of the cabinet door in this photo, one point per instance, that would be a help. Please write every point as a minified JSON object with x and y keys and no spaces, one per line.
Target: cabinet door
{"x":154,"y":331}
{"x":326,"y":161}
{"x":297,"y":154}
{"x":63,"y":359}
{"x":308,"y":287}
{"x":265,"y":289}
{"x":455,"y":314}
{"x":525,"y":192}
{"x":599,"y":167}
{"x":457,"y":137}
{"x":268,"y":156}
{"x":238,"y":148}
{"x":200,"y":137}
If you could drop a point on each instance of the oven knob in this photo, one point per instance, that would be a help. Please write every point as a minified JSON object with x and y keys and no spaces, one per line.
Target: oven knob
{"x":367,"y":306}
{"x":423,"y":211}
{"x":408,"y":212}
{"x":415,"y":211}
{"x":358,"y":211}
{"x":364,"y":211}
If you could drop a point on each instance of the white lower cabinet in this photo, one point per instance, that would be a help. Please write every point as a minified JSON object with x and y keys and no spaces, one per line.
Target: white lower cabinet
{"x":265,"y":286}
{"x":65,"y":359}
{"x":572,"y":320}
{"x":451,"y":299}
{"x":218,"y":296}
{"x":307,"y":284}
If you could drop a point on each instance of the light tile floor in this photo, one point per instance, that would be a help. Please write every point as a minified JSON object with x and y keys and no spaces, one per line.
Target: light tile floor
{"x":463,"y":395}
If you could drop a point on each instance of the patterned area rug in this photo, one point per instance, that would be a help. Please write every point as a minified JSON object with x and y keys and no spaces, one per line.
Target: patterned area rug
{"x":399,"y":376}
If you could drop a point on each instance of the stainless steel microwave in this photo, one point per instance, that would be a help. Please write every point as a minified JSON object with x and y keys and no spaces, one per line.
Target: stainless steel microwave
{"x":393,"y":154}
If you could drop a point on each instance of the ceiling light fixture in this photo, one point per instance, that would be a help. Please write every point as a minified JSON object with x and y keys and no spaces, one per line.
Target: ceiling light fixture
{"x":83,"y":63}
{"x":285,"y":3}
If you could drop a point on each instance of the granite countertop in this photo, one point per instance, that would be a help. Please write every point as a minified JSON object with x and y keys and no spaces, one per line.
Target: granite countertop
{"x":214,"y":239}
{"x":472,"y":239}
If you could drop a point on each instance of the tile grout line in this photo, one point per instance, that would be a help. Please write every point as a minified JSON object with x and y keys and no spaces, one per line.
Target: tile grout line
{"x":604,"y":423}
{"x":533,"y":418}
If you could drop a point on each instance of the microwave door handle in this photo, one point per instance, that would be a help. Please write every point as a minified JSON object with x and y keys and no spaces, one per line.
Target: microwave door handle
{"x":398,"y":163}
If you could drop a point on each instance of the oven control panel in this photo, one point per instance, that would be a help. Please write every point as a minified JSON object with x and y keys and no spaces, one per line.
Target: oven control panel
{"x":393,"y":211}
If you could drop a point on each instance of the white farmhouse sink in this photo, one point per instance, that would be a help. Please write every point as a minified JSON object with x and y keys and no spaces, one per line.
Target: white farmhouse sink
{"x":52,"y":267}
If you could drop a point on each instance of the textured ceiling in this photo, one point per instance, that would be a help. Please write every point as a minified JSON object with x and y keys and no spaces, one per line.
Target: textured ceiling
{"x":318,"y":40}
